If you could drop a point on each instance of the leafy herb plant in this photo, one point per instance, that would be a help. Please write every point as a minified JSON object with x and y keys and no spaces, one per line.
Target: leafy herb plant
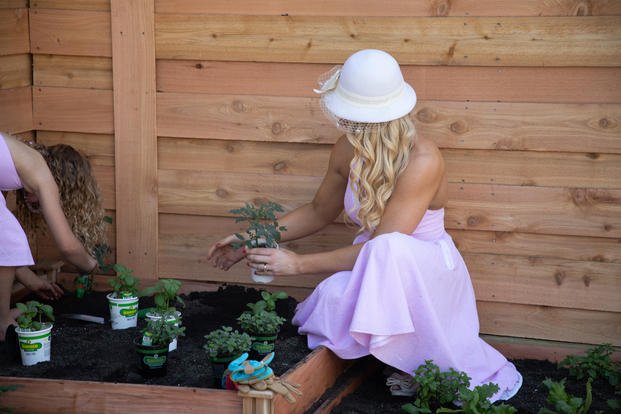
{"x":125,"y":284}
{"x":165,"y":294}
{"x":162,"y":331}
{"x":226,"y":342}
{"x":476,"y":401}
{"x":263,"y":229}
{"x":262,"y":322}
{"x":595,"y":364}
{"x":262,"y":317}
{"x":268,"y":301}
{"x":34,"y":315}
{"x":435,"y":388}
{"x":564,"y":403}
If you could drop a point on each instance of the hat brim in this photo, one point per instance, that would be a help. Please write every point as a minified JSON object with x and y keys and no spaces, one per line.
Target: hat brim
{"x":343,"y":108}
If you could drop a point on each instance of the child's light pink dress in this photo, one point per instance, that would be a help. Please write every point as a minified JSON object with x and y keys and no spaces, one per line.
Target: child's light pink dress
{"x":14,"y":249}
{"x":408,"y":299}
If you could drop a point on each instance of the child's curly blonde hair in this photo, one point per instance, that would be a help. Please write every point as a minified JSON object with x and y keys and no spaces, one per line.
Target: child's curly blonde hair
{"x":79,"y":196}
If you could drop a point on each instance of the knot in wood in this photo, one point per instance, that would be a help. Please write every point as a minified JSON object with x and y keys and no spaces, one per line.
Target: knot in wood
{"x":230,"y":148}
{"x":426,"y":115}
{"x":582,"y":9}
{"x":280,"y":165}
{"x":198,"y":66}
{"x":222,"y":193}
{"x":459,"y":127}
{"x":603,"y":123}
{"x":238,"y":106}
{"x":474,"y":220}
{"x":277,"y":128}
{"x":559,"y":276}
{"x":441,"y":8}
{"x":586,"y":279}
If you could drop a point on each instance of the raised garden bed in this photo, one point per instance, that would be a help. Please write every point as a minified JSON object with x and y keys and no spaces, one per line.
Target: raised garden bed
{"x":94,"y":368}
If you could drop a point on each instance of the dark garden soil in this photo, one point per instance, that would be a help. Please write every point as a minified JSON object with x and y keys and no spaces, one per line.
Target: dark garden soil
{"x":373,"y":397}
{"x":94,"y":352}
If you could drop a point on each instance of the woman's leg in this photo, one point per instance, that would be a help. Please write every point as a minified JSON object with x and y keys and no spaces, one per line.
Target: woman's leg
{"x":7,"y":315}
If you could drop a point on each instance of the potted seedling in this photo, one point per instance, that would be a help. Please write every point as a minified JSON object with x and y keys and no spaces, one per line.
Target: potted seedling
{"x":262,"y":323}
{"x":165,"y":294}
{"x":124,"y":298}
{"x":263,"y":230}
{"x":34,"y":331}
{"x":224,"y":345}
{"x":152,"y":347}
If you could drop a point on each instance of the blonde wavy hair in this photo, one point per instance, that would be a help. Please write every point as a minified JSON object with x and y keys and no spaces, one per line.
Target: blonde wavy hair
{"x":79,"y":196}
{"x":381,"y":153}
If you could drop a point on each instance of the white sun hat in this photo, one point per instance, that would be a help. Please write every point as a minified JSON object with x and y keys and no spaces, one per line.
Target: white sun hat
{"x":368,"y":88}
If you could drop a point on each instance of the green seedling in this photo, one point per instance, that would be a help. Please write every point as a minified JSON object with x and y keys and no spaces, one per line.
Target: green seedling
{"x":34,"y":315}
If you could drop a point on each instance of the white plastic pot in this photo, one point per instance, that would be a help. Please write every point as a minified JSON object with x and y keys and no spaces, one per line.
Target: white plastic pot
{"x":154,"y":316}
{"x":123,"y":311}
{"x":262,"y":278}
{"x":35,"y":346}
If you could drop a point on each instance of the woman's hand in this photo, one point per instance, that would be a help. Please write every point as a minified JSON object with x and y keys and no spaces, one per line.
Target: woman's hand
{"x":41,"y":287}
{"x":222,"y":255}
{"x":277,"y":262}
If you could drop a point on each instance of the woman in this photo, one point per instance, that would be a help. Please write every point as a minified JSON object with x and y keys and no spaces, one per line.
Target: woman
{"x":56,"y":186}
{"x":401,"y":292}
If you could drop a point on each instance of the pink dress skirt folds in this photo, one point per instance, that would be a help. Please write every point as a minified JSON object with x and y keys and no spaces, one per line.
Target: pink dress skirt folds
{"x":14,"y":248}
{"x":408,"y":299}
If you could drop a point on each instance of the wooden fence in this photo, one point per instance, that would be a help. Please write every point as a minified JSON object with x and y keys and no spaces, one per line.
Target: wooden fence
{"x":196,"y":107}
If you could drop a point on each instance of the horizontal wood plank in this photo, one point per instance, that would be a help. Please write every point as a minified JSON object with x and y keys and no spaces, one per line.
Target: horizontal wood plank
{"x":465,"y":125}
{"x":70,"y":32}
{"x":446,"y":83}
{"x":568,"y":211}
{"x":540,"y":169}
{"x":95,"y":5}
{"x":544,"y":281}
{"x":562,"y":211}
{"x":254,"y":118}
{"x":393,"y":7}
{"x":210,"y":193}
{"x":595,"y":249}
{"x":521,"y":126}
{"x":90,"y":397}
{"x":15,"y":71}
{"x":543,"y":322}
{"x":549,"y":169}
{"x":73,"y":71}
{"x":13,"y":4}
{"x":16,"y":109}
{"x":482,"y":41}
{"x":14,"y":35}
{"x":57,"y":109}
{"x":243,"y":156}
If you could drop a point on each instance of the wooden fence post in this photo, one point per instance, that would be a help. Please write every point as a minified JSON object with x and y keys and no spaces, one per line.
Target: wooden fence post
{"x":135,"y":137}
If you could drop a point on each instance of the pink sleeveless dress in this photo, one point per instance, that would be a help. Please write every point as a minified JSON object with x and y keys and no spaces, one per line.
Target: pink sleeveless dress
{"x":408,"y":299}
{"x":14,"y":248}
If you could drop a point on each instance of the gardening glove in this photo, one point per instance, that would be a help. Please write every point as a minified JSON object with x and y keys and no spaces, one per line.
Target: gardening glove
{"x":283,"y":388}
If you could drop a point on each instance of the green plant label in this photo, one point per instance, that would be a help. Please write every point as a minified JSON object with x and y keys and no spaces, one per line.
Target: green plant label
{"x":154,"y":361}
{"x":30,"y":347}
{"x":128,"y":312}
{"x":263,"y":347}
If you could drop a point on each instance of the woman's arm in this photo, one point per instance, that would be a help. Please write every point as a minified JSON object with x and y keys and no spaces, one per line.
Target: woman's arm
{"x":416,"y":190}
{"x":38,"y":180}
